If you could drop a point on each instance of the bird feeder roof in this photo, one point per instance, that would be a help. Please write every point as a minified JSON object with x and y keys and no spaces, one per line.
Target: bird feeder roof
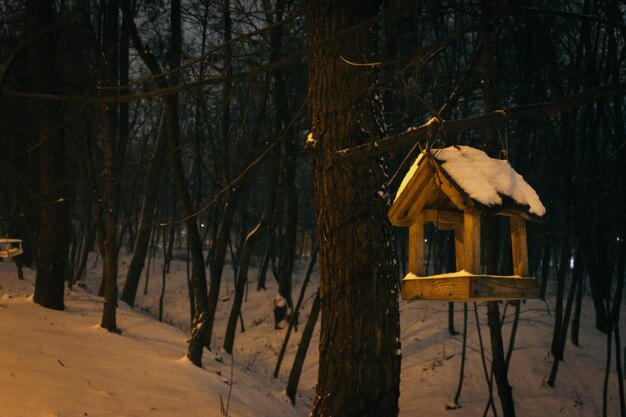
{"x":459,"y":178}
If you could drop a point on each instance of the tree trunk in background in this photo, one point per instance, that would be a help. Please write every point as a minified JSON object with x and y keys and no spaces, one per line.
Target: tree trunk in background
{"x":146,"y":219}
{"x":251,"y":239}
{"x":220,"y":244}
{"x":559,"y":344}
{"x":198,"y":331}
{"x":109,"y":209}
{"x":491,"y":224}
{"x":283,"y":126}
{"x":54,"y":233}
{"x":296,"y":315}
{"x":110,"y":203}
{"x":303,"y":347}
{"x":359,"y":366}
{"x":545,"y":267}
{"x":291,"y":201}
{"x":198,"y":276}
{"x":124,"y":111}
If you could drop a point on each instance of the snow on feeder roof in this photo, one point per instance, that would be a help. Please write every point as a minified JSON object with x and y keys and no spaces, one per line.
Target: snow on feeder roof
{"x":450,"y":188}
{"x":464,"y":177}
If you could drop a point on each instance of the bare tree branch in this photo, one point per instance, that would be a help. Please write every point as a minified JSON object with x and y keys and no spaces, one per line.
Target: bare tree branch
{"x":498,"y":117}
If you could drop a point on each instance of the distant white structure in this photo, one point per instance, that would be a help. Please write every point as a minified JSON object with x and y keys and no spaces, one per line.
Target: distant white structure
{"x":10,"y":247}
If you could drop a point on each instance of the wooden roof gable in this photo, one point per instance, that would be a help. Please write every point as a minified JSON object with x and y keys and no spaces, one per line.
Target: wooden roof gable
{"x":459,"y":178}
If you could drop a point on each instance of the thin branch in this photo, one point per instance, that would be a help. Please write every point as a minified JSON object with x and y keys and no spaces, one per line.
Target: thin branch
{"x":360,"y":64}
{"x":498,"y":117}
{"x":163,"y":90}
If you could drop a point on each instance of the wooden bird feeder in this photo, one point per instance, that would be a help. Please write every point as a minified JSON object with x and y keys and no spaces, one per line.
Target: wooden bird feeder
{"x":10,"y":247}
{"x":452,"y":188}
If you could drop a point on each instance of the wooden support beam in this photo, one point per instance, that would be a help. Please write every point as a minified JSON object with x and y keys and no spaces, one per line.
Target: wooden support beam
{"x":403,"y":209}
{"x":425,"y":194}
{"x":444,"y":182}
{"x":459,"y":247}
{"x":443,"y":216}
{"x":471,"y":241}
{"x":416,"y":246}
{"x":519,"y":246}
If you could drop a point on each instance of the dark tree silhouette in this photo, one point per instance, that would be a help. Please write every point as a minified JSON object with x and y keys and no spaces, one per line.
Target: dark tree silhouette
{"x":359,"y":366}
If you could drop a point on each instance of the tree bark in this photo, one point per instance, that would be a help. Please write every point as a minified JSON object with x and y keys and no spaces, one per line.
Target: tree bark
{"x":109,"y":206}
{"x":109,"y":209}
{"x":359,"y":367}
{"x":54,"y":232}
{"x":505,"y":392}
{"x":220,"y":244}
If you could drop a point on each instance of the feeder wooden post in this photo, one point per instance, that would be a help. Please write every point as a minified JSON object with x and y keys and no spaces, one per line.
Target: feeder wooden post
{"x":471,"y":240}
{"x":519,"y":246}
{"x":416,"y":246}
{"x":459,"y":247}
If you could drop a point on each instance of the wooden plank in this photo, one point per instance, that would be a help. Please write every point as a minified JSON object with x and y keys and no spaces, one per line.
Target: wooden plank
{"x":399,"y":212}
{"x":443,"y":216}
{"x":449,"y":190}
{"x":416,"y":246}
{"x":11,"y":252}
{"x":519,"y":246}
{"x":471,"y":241}
{"x":459,"y":249}
{"x":513,"y":213}
{"x":444,"y":226}
{"x":468,"y":288}
{"x":10,"y":248}
{"x":426,"y":288}
{"x":503,"y":288}
{"x":425,"y":195}
{"x":443,"y":219}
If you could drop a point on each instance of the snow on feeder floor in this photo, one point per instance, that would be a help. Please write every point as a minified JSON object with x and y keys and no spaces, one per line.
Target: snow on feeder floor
{"x":452,"y":188}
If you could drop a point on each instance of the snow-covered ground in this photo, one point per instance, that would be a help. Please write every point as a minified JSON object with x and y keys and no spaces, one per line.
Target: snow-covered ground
{"x":62,"y":364}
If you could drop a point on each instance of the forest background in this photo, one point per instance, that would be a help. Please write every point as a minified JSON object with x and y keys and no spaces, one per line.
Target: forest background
{"x":182,"y":127}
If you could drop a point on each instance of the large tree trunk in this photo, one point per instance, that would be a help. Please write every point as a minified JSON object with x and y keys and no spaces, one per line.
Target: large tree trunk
{"x":359,"y":366}
{"x":220,"y":245}
{"x":198,"y":333}
{"x":110,"y":204}
{"x":54,"y":233}
{"x":109,"y":250}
